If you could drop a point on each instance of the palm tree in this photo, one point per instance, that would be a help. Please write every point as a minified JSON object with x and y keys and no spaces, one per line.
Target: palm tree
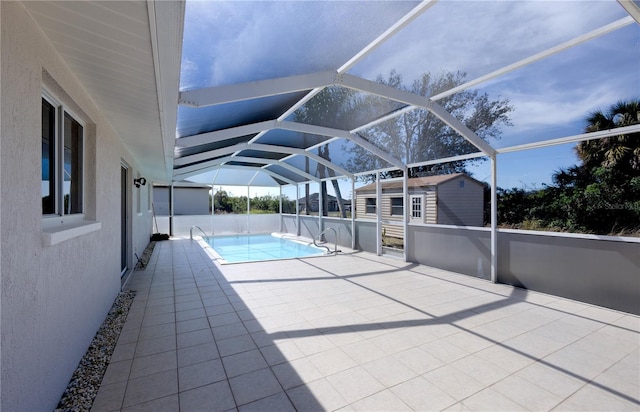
{"x":620,"y":152}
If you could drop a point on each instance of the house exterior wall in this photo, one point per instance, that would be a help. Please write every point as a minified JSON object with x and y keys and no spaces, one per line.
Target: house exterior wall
{"x":54,"y":298}
{"x":460,"y":202}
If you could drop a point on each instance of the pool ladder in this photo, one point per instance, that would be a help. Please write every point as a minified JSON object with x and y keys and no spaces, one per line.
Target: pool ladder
{"x":196,"y":227}
{"x":335,"y":247}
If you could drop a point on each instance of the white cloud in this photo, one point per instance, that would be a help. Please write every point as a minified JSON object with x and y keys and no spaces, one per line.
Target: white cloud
{"x":228,"y":42}
{"x":241,"y":41}
{"x":478,"y":37}
{"x":188,"y":74}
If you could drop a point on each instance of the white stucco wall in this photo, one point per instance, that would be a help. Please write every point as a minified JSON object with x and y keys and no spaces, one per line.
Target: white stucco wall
{"x":53,"y":298}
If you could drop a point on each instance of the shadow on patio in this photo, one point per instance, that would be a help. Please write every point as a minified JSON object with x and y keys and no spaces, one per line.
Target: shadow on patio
{"x":360,"y":332}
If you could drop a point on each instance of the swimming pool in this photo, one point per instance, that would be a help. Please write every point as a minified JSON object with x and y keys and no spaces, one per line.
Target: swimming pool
{"x":256,"y":248}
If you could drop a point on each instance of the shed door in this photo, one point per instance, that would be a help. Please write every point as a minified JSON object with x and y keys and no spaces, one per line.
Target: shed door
{"x":417,"y":208}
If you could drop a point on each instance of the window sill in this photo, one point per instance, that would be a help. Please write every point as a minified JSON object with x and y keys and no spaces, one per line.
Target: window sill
{"x":52,"y":235}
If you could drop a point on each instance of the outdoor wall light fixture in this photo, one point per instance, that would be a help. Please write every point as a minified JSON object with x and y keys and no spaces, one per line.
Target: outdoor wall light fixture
{"x":141,"y":181}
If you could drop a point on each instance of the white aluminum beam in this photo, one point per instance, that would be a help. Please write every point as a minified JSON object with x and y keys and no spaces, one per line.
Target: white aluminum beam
{"x":225,"y":134}
{"x":539,"y":56}
{"x":378,"y":215}
{"x":572,"y":139}
{"x":268,"y":162}
{"x":494,"y":219}
{"x":390,"y":32}
{"x":300,"y":103}
{"x":185,"y":175}
{"x":315,"y":146}
{"x":301,"y":152}
{"x":384,"y":118}
{"x":210,"y":154}
{"x":632,"y":8}
{"x":267,"y":171}
{"x":211,"y":96}
{"x":383,"y":170}
{"x":406,"y":209}
{"x":221,"y":161}
{"x":236,"y":148}
{"x":294,"y":170}
{"x":253,"y":178}
{"x":447,"y":159}
{"x":328,"y":131}
{"x":413,"y":99}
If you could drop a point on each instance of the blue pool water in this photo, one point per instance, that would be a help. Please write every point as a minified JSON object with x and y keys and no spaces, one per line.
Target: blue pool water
{"x":256,"y":248}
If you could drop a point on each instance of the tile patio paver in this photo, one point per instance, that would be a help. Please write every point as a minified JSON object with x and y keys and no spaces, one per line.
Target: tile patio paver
{"x":357,"y":332}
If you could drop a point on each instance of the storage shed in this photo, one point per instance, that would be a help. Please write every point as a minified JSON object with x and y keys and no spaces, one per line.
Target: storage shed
{"x":451,"y":199}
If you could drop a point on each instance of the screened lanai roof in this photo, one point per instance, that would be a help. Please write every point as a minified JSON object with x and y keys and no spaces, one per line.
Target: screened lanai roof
{"x":277,"y":93}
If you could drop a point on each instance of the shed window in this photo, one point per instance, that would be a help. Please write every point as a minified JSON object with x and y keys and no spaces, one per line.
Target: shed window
{"x":62,"y":161}
{"x":397,"y":206}
{"x":370,"y":205}
{"x":416,"y":207}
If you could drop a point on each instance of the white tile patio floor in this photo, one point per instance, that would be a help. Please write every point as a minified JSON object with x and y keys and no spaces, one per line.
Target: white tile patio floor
{"x":358,"y":332}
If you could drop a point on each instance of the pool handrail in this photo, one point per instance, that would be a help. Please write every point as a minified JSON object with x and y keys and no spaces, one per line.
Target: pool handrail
{"x":196,"y":227}
{"x":335,"y":247}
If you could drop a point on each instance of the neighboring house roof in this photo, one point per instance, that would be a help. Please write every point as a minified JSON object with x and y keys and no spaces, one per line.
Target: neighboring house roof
{"x":420,"y":182}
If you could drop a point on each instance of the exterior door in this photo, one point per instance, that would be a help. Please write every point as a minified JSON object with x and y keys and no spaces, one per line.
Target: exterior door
{"x":123,"y":219}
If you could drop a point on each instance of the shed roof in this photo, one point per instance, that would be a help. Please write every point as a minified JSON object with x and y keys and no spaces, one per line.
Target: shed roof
{"x":425,"y":181}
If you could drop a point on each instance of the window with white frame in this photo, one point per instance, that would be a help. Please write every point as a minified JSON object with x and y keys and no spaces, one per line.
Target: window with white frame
{"x":397,"y":208}
{"x":62,"y":161}
{"x":416,"y":207}
{"x":370,"y":205}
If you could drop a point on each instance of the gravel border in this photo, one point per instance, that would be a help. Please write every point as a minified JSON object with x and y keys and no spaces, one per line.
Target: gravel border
{"x":86,"y":379}
{"x":143,"y":260}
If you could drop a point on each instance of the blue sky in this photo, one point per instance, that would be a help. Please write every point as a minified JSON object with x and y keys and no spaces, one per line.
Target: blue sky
{"x":227,"y":42}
